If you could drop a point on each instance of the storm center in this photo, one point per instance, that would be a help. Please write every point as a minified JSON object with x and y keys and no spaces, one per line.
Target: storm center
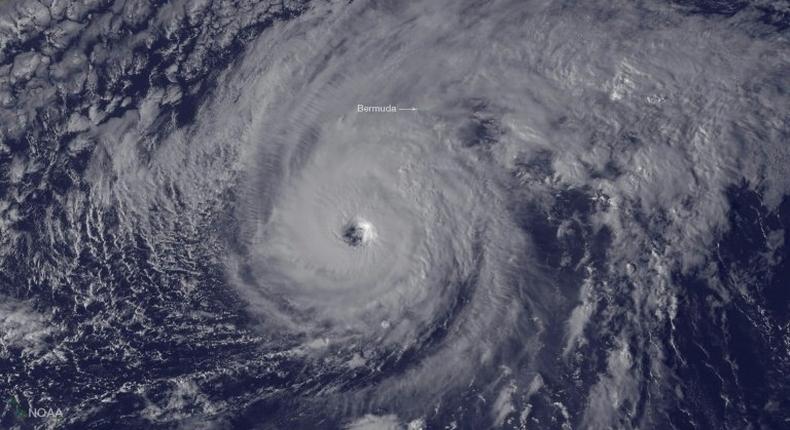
{"x":358,"y":232}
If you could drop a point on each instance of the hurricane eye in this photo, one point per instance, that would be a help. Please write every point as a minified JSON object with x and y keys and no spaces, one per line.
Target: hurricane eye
{"x":358,"y":232}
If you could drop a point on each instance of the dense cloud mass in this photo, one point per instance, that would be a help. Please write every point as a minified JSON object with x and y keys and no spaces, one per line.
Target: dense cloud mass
{"x":394,"y":214}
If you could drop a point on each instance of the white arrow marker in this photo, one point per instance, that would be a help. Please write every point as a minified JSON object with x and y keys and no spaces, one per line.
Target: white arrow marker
{"x":411,"y":109}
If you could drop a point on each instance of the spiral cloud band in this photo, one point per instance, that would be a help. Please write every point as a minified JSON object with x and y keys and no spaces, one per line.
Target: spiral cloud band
{"x":428,"y":205}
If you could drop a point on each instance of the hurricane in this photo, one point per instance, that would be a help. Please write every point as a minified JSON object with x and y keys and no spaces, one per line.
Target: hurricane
{"x":378,"y":239}
{"x":394,"y":215}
